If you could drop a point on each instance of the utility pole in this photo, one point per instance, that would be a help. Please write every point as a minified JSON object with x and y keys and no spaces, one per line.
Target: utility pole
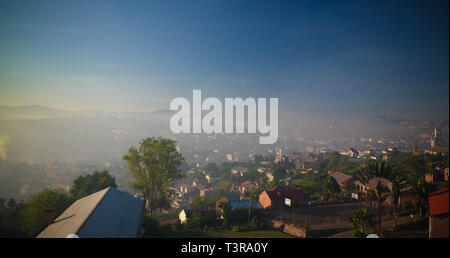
{"x":249,"y":204}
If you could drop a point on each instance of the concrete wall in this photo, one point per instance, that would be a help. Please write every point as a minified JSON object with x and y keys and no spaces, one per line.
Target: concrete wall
{"x":439,"y":226}
{"x":264,"y":200}
{"x":289,"y":228}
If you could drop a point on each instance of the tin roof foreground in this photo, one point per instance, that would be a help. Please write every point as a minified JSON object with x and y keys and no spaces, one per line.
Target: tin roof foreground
{"x":106,"y":213}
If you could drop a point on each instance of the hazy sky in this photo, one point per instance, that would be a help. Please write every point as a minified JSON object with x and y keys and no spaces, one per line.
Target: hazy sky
{"x":352,"y":58}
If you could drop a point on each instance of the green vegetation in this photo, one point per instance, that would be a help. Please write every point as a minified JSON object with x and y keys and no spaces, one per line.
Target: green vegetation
{"x":32,"y":217}
{"x":361,"y":219}
{"x":85,"y":185}
{"x":154,"y":166}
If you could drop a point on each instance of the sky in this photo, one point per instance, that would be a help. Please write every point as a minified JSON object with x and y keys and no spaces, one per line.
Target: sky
{"x":320,"y":58}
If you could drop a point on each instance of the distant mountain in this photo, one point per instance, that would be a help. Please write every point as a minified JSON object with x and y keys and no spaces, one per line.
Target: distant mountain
{"x":401,"y":122}
{"x":36,"y":112}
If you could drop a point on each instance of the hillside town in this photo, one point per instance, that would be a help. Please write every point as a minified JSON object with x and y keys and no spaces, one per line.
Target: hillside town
{"x":329,"y":194}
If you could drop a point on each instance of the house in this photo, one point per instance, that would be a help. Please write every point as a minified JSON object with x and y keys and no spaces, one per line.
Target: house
{"x":239,"y":171}
{"x":196,"y":182}
{"x":269,"y":176}
{"x":352,"y":153}
{"x":342,"y":178}
{"x":438,"y":219}
{"x":261,"y":170}
{"x":278,"y":197}
{"x":245,"y":204}
{"x":184,"y":189}
{"x":247,"y":186}
{"x":226,"y":198}
{"x":207,"y":193}
{"x":187,"y":213}
{"x":373,"y":183}
{"x":107,"y":213}
{"x":361,"y":186}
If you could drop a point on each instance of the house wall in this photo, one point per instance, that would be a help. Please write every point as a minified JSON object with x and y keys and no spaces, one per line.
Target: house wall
{"x":288,"y":228}
{"x":218,"y":202}
{"x":264,"y":200}
{"x":182,"y":217}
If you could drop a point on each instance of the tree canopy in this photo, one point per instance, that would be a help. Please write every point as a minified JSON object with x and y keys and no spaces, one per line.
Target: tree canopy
{"x":154,"y":166}
{"x":89,"y":184}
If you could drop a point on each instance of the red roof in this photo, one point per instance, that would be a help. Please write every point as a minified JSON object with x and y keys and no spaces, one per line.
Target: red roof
{"x":438,"y":202}
{"x":278,"y":194}
{"x":246,"y":182}
{"x":341,"y":177}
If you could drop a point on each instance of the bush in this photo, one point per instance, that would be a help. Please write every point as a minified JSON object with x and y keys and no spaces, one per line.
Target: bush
{"x":357,"y":233}
{"x":176,"y":227}
{"x":236,"y":229}
{"x":407,"y":207}
{"x":150,"y":225}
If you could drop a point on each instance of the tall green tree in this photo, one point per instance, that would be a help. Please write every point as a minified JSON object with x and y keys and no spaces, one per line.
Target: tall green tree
{"x":154,"y":166}
{"x":329,"y":187}
{"x":85,"y":185}
{"x":379,"y":194}
{"x":422,"y":189}
{"x":32,"y":217}
{"x":362,"y":219}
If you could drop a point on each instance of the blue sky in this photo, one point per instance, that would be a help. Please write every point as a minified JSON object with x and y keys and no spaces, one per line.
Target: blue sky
{"x":321,"y":58}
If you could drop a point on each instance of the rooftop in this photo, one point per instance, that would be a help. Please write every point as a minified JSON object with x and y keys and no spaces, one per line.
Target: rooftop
{"x":106,"y":213}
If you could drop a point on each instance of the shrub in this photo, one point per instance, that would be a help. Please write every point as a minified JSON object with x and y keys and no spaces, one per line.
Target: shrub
{"x":236,"y":229}
{"x":150,"y":225}
{"x":357,"y":233}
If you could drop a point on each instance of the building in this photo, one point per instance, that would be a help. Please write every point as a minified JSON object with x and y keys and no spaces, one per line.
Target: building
{"x":269,"y":176}
{"x":352,"y":153}
{"x":245,"y":204}
{"x":187,"y":213}
{"x":261,"y":170}
{"x":239,"y":171}
{"x":105,"y":214}
{"x":226,"y":198}
{"x":248,"y":186}
{"x":438,"y":219}
{"x":278,"y":197}
{"x":207,"y":193}
{"x":373,"y":183}
{"x":342,"y":178}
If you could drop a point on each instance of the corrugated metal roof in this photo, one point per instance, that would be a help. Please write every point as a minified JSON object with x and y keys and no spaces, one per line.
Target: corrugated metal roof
{"x":107,"y":213}
{"x":245,"y":203}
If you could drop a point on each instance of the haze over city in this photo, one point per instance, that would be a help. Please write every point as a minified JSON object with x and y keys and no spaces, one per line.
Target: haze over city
{"x":92,"y":143}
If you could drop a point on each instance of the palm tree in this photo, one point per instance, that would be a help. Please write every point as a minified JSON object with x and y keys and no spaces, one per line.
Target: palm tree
{"x":422,"y":189}
{"x":398,"y":178}
{"x":380,"y":192}
{"x":362,"y":219}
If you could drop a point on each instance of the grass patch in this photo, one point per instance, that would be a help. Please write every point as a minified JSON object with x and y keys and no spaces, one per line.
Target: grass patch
{"x":221,"y":234}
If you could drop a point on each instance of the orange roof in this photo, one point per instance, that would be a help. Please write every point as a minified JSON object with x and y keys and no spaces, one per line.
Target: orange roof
{"x":438,"y":202}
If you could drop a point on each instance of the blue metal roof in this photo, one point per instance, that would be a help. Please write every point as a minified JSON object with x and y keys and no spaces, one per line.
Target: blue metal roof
{"x":245,"y":203}
{"x":117,"y":215}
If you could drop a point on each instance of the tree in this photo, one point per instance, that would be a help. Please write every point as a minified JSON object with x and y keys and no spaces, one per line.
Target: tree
{"x":226,"y":213}
{"x":212,"y":169}
{"x":11,"y":203}
{"x":380,"y":192}
{"x":397,"y":178}
{"x":422,"y":189}
{"x":85,"y":185}
{"x":32,"y":217}
{"x":329,"y":187}
{"x":362,"y":219}
{"x":154,"y":166}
